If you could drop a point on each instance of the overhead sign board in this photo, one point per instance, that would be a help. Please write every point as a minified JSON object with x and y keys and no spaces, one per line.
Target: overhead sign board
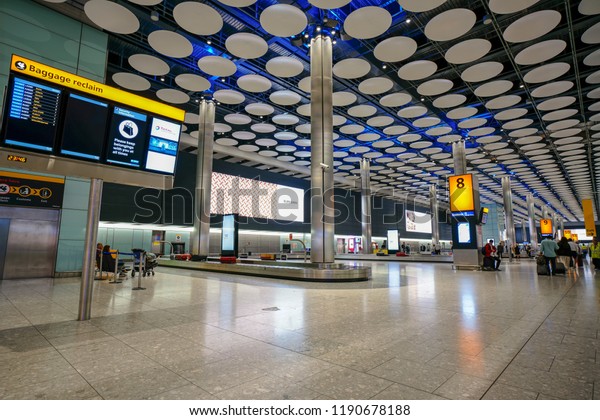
{"x":546,"y":227}
{"x":18,"y":189}
{"x":588,"y":217}
{"x":461,"y":193}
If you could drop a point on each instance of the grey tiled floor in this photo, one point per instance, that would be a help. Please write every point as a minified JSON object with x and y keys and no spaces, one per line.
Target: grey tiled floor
{"x":416,"y":331}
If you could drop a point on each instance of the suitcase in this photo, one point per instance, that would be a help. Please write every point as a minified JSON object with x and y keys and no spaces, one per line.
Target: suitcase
{"x":542,"y":270}
{"x":560,"y":268}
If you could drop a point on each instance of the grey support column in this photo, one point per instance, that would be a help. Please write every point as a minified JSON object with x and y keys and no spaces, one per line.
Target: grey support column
{"x":206,"y":134}
{"x":89,"y":250}
{"x":435,"y":222}
{"x":545,"y":213}
{"x":562,"y":227}
{"x":460,"y":157}
{"x":531,"y":217}
{"x":508,"y":214}
{"x":321,"y":119}
{"x":523,"y":231}
{"x":365,"y":190}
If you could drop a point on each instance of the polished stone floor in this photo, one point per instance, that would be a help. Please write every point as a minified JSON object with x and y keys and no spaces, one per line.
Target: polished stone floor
{"x":416,"y":331}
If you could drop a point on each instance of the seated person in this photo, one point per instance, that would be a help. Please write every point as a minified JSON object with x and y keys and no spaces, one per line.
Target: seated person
{"x":108,"y":260}
{"x":99,"y":248}
{"x":491,"y":256}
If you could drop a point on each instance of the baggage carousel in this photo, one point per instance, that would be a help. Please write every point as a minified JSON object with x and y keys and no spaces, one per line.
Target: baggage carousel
{"x":288,"y":270}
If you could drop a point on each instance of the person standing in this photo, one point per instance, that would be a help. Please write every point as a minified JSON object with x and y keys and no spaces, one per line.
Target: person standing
{"x":548,"y":248}
{"x":574,"y":248}
{"x":595,"y":253}
{"x":500,"y":249}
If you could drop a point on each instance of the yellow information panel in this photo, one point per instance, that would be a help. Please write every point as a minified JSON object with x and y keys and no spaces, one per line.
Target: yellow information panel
{"x":546,"y":227}
{"x":588,"y":217}
{"x":567,"y":234}
{"x":72,"y":81}
{"x":575,"y":237}
{"x":461,"y":193}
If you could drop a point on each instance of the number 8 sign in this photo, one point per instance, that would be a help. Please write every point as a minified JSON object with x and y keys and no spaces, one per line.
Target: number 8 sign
{"x":461,"y":193}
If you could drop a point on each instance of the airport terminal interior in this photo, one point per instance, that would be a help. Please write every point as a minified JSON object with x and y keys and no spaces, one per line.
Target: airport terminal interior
{"x":290,"y":199}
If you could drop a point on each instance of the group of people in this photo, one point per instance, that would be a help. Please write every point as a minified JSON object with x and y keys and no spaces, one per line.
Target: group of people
{"x":568,"y":253}
{"x":105,"y":258}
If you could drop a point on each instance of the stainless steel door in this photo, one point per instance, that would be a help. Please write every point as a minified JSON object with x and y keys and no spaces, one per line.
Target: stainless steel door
{"x":30,"y":249}
{"x":4,"y":227}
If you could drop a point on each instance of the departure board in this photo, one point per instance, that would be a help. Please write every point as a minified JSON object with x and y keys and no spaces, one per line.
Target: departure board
{"x":33,"y":113}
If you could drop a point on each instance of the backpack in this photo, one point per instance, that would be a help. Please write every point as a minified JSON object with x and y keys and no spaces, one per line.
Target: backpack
{"x":483,"y":250}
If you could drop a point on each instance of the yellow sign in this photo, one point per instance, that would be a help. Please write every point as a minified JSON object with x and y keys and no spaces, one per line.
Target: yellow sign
{"x":546,"y":227}
{"x":72,"y":81}
{"x":588,"y":217}
{"x":575,"y":237}
{"x":32,"y":177}
{"x":461,"y":193}
{"x":16,"y":158}
{"x":567,"y":234}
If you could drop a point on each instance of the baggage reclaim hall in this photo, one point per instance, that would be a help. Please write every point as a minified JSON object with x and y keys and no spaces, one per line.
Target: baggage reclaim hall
{"x":251,"y":199}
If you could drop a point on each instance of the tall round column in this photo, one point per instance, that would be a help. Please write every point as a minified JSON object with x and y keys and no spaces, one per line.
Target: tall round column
{"x":508,"y":215}
{"x":206,"y":133}
{"x":531,"y":220}
{"x":460,"y":157}
{"x":435,"y":221}
{"x":365,"y":191}
{"x":321,"y":120}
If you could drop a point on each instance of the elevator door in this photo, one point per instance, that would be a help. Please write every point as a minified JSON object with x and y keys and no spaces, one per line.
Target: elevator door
{"x":30,"y":249}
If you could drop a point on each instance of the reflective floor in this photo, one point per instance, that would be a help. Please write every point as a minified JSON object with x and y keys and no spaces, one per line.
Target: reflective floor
{"x":416,"y":331}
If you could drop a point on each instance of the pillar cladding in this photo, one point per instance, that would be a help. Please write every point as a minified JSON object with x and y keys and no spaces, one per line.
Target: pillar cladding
{"x":508,"y":213}
{"x":524,"y":231}
{"x":460,"y":158}
{"x":206,"y":135}
{"x":321,"y":120}
{"x":531,"y":219}
{"x":365,"y":191}
{"x":435,"y":222}
{"x":562,"y":227}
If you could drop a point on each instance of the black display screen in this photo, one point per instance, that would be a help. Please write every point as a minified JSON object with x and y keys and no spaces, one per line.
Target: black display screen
{"x":127,"y":137}
{"x":33,"y":110}
{"x":84,"y":128}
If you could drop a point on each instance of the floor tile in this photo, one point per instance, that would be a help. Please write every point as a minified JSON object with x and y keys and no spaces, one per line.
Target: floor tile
{"x":400,"y":392}
{"x":345,"y":384}
{"x":506,"y":392}
{"x":463,"y":387}
{"x":420,"y":376}
{"x":268,"y":388}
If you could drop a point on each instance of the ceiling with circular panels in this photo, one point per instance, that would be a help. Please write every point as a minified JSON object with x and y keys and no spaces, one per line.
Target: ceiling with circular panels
{"x":519,"y":80}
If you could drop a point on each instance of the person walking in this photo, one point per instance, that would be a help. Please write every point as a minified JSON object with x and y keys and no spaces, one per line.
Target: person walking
{"x":574,"y":249}
{"x":564,"y":252}
{"x":595,"y":253}
{"x":548,"y":248}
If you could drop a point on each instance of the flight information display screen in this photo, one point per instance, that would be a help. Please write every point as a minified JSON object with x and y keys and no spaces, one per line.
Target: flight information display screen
{"x":127,"y":137}
{"x":84,"y":128}
{"x":33,"y":114}
{"x":163,"y":145}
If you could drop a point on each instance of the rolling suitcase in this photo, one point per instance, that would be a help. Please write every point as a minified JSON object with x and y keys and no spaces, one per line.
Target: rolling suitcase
{"x":542,"y":270}
{"x":560,"y":268}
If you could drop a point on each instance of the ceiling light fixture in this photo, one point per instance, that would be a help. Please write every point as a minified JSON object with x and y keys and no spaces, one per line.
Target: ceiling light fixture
{"x":154,"y":16}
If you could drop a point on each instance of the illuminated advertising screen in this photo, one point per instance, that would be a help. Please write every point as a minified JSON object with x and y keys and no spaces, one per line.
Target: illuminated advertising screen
{"x":32,"y":117}
{"x":417,"y":222}
{"x":255,"y":198}
{"x":464,"y":233}
{"x":163,"y":145}
{"x":392,"y":240}
{"x":127,"y":137}
{"x":84,"y":127}
{"x":228,"y":233}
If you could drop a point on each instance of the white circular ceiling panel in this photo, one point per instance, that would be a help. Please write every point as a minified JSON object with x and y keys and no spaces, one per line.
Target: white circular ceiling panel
{"x":149,"y":64}
{"x":198,"y":18}
{"x":259,"y":109}
{"x":217,"y":66}
{"x":285,"y":119}
{"x":559,"y":115}
{"x":173,"y":96}
{"x":434,"y":87}
{"x":362,"y":111}
{"x":503,"y":102}
{"x":412,"y":112}
{"x":375,"y":85}
{"x":450,"y":24}
{"x":592,"y":59}
{"x":367,"y":22}
{"x":395,"y":99}
{"x":131,"y":81}
{"x":228,"y":96}
{"x":546,"y":72}
{"x":351,"y":68}
{"x":170,"y":43}
{"x":246,"y":45}
{"x":464,"y":112}
{"x":552,"y":89}
{"x":495,"y":88}
{"x":555,"y":103}
{"x":343,"y":98}
{"x":510,"y":114}
{"x":283,"y":20}
{"x":532,"y":26}
{"x":449,"y":101}
{"x":285,"y":97}
{"x":482,"y":71}
{"x":395,"y":49}
{"x":254,"y":83}
{"x":237,"y":119}
{"x":420,"y":5}
{"x":468,"y":51}
{"x":417,"y":70}
{"x":284,"y":66}
{"x":112,"y":16}
{"x":592,"y":35}
{"x":503,"y":7}
{"x":540,"y":52}
{"x":589,"y":7}
{"x":329,"y":4}
{"x":192,"y":82}
{"x":238,"y":3}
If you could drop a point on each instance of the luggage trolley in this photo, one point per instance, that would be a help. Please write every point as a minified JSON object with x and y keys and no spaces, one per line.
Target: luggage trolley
{"x":148,"y":263}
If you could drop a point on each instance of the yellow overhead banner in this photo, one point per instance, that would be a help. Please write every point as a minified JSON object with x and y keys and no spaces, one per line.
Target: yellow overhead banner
{"x":546,"y":227}
{"x":588,"y":217}
{"x":41,"y":71}
{"x":461,"y":193}
{"x":575,"y":237}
